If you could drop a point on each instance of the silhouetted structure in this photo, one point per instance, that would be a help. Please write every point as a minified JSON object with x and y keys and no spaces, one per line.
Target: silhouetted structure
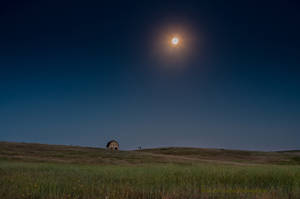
{"x":112,"y":145}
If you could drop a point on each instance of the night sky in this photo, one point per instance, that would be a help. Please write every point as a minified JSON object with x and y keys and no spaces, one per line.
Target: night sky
{"x":85,"y":72}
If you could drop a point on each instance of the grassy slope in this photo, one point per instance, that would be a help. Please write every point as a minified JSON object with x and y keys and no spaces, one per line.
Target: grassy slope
{"x":56,"y":172}
{"x":32,"y":152}
{"x":222,"y":155}
{"x":87,"y":155}
{"x":147,"y":181}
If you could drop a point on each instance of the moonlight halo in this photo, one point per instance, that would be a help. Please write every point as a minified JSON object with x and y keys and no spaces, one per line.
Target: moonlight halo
{"x":173,"y":44}
{"x":175,"y":41}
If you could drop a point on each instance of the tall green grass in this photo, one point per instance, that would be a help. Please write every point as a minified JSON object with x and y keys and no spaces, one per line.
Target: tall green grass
{"x":162,"y":181}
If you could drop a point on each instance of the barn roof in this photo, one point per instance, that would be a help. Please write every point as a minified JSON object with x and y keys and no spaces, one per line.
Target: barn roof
{"x":111,"y":142}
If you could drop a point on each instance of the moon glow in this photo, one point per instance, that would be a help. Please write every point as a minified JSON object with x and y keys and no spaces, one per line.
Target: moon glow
{"x":173,"y":45}
{"x":175,"y":41}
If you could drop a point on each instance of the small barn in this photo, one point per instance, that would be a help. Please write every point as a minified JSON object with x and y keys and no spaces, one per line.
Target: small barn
{"x":112,"y":145}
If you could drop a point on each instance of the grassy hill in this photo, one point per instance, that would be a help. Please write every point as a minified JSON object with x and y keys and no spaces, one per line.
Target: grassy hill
{"x":31,"y":152}
{"x":230,"y":156}
{"x":39,"y":171}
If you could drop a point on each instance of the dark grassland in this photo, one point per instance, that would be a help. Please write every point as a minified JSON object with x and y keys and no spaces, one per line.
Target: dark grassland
{"x":55,"y":172}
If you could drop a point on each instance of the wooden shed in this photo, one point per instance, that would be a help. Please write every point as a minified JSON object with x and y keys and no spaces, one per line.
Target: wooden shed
{"x":112,"y":145}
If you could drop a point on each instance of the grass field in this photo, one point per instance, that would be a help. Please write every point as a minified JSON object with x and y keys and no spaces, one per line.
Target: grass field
{"x":55,"y":172}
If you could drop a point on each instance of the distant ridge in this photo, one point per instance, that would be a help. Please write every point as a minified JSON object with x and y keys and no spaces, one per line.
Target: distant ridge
{"x":35,"y":152}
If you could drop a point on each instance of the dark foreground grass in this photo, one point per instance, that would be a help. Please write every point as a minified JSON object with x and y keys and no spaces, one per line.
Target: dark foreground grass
{"x":162,"y":181}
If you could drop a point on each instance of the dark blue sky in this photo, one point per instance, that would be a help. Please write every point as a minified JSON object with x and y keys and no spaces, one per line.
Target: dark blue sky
{"x":83,"y":72}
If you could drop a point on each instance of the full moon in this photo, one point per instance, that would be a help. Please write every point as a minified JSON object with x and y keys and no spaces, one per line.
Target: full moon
{"x":175,"y":41}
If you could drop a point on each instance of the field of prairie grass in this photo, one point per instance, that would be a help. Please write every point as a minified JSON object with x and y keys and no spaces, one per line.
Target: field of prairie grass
{"x":56,"y":180}
{"x":157,"y":177}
